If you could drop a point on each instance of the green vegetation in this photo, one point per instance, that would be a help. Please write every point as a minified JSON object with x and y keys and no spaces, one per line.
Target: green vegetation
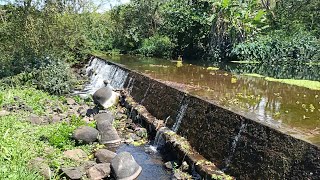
{"x":212,"y":68}
{"x":21,"y":141}
{"x":44,"y":35}
{"x":253,"y":75}
{"x":314,"y":85}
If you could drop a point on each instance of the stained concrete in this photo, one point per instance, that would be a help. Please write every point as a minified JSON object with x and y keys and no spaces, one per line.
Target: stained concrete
{"x":260,"y":152}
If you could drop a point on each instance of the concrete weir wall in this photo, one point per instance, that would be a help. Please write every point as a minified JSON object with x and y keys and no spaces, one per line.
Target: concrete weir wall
{"x":240,"y":146}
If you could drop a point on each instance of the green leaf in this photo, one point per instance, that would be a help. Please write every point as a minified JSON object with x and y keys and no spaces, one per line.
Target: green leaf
{"x":259,"y":15}
{"x":225,"y":3}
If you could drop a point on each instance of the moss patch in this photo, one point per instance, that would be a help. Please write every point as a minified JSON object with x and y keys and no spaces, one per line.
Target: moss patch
{"x":314,"y":85}
{"x":246,"y":62}
{"x":253,"y":75}
{"x":212,"y":68}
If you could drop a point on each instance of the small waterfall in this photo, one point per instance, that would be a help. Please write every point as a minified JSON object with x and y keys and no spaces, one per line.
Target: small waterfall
{"x":119,"y":78}
{"x":183,"y":107}
{"x":130,"y":85}
{"x":146,"y":93}
{"x":98,"y":71}
{"x":159,"y":140}
{"x":234,"y":146}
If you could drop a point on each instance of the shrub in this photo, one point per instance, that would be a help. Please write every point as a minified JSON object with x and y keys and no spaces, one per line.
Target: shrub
{"x":159,"y":46}
{"x":279,"y":46}
{"x":54,"y":77}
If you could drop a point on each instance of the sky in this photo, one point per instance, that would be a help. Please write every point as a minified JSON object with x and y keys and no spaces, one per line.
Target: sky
{"x":107,"y":4}
{"x":104,"y":4}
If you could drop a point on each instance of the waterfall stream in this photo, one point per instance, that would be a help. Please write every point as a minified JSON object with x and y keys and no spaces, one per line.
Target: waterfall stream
{"x":234,"y":146}
{"x":98,"y":71}
{"x":183,"y":107}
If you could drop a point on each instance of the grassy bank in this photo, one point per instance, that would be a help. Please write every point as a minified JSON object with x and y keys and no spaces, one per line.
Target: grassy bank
{"x":21,"y":141}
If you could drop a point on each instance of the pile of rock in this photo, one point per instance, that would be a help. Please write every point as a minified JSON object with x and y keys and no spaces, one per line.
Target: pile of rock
{"x":104,"y":132}
{"x":106,"y":163}
{"x":120,"y":166}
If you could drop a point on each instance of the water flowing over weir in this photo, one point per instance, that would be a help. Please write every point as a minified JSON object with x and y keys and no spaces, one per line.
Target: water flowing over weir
{"x":99,"y":71}
{"x":234,"y":146}
{"x":181,"y":112}
{"x":244,"y":147}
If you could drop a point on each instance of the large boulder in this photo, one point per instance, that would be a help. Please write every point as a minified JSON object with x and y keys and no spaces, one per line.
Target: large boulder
{"x":99,"y":171}
{"x":86,"y":134}
{"x":125,"y":167}
{"x":108,"y":135}
{"x":107,"y":116}
{"x":106,"y":97}
{"x":104,"y":155}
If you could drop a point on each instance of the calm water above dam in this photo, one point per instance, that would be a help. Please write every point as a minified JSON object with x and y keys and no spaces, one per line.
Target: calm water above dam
{"x":294,"y":109}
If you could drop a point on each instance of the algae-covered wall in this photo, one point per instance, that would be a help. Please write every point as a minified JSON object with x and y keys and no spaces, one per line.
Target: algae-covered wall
{"x":241,"y":146}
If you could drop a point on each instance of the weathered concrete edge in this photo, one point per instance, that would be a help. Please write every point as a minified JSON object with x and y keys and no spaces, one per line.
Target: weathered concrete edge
{"x":174,"y":143}
{"x":262,"y":151}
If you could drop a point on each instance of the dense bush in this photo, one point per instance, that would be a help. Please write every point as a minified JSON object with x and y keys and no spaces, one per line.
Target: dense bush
{"x":159,"y":46}
{"x":54,"y":77}
{"x":301,"y":46}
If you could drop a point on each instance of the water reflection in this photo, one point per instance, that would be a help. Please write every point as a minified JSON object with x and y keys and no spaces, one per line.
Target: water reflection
{"x":290,"y":70}
{"x":273,"y":103}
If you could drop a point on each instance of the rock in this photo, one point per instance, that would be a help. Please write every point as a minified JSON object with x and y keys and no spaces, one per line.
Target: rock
{"x":16,"y":98}
{"x":104,"y":155}
{"x":72,"y":172}
{"x":70,"y":101}
{"x":99,"y":171}
{"x":76,"y":154}
{"x":87,"y":165}
{"x":184,"y":166}
{"x":34,"y":119}
{"x":57,"y":110}
{"x":107,"y":116}
{"x":131,"y":125}
{"x":125,"y":167}
{"x":28,"y":109}
{"x":82,"y":111}
{"x":121,"y":116}
{"x":141,"y":132}
{"x":4,"y":113}
{"x":168,"y":165}
{"x":93,"y":111}
{"x":177,"y":175}
{"x":134,"y":137}
{"x":107,"y":133}
{"x":39,"y":165}
{"x":106,"y":97}
{"x":86,"y":134}
{"x":55,"y":119}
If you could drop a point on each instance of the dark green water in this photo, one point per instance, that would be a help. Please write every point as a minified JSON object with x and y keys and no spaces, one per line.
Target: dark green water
{"x":293,"y":109}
